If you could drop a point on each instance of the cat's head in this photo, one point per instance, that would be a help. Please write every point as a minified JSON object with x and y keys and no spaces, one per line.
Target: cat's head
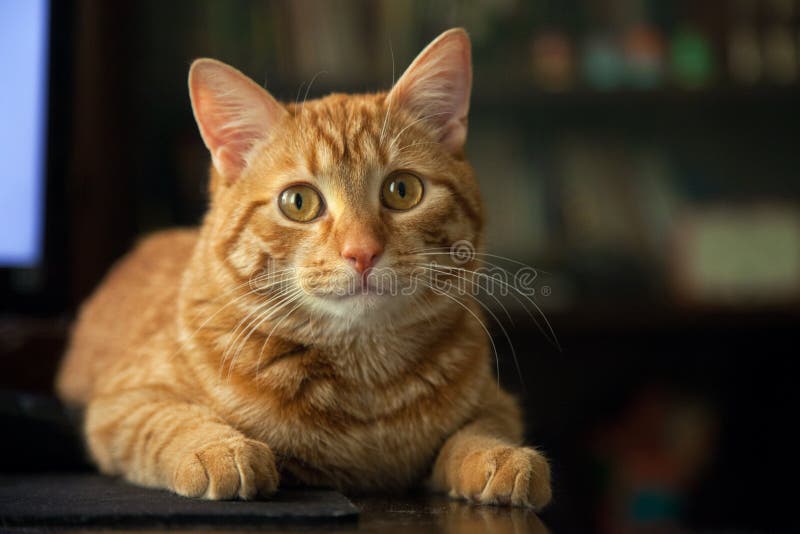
{"x":329,"y":199}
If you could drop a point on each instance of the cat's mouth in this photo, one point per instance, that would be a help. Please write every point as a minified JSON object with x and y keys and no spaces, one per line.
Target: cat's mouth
{"x":362,"y":290}
{"x":348,"y":287}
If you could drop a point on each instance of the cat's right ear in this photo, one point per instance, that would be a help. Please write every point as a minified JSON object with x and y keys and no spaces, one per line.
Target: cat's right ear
{"x":232,"y":112}
{"x":437,"y":85}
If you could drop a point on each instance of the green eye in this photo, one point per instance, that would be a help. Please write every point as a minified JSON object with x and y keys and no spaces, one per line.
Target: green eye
{"x":401,"y":191}
{"x":300,"y":203}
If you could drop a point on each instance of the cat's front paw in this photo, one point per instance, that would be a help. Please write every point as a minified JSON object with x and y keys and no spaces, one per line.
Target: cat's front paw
{"x":226,"y":469}
{"x":519,"y":476}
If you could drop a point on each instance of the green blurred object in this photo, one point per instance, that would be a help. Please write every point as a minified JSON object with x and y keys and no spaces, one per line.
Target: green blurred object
{"x":692,"y":59}
{"x":651,"y":505}
{"x":603,"y":66}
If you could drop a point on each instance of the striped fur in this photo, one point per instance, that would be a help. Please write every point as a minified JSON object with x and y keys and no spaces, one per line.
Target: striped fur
{"x":198,"y":376}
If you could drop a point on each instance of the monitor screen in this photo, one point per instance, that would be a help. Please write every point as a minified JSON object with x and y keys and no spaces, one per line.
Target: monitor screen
{"x":24,"y":40}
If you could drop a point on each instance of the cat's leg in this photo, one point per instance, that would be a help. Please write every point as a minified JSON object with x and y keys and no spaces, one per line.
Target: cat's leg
{"x":155,"y":438}
{"x":483,"y":461}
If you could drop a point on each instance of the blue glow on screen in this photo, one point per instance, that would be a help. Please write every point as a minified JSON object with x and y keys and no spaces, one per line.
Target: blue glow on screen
{"x":24,"y":37}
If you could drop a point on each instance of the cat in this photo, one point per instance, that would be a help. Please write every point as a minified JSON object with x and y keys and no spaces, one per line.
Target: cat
{"x":224,"y":361}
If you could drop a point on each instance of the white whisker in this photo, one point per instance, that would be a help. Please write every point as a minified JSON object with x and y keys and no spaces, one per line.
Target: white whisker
{"x":249,"y":319}
{"x":412,"y":123}
{"x":388,"y":99}
{"x":550,"y":334}
{"x":480,"y":322}
{"x":490,"y":312}
{"x":264,"y":317}
{"x":303,"y":105}
{"x":251,"y":292}
{"x":266,"y":341}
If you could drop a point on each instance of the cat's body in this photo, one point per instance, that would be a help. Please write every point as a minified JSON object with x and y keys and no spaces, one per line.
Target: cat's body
{"x":329,"y":416}
{"x":209,"y":365}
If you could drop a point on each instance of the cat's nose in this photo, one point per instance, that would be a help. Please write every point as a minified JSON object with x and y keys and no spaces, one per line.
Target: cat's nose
{"x":362,"y":252}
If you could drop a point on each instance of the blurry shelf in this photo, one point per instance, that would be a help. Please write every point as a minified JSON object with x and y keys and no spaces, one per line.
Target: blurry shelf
{"x":729,"y":103}
{"x":642,"y":317}
{"x":726,"y":94}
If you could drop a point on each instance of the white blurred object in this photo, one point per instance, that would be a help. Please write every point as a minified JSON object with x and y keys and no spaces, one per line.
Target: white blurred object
{"x":738,"y":255}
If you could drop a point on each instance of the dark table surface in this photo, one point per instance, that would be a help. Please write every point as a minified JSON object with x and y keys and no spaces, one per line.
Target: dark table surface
{"x":437,"y":513}
{"x":89,"y":502}
{"x":414,"y":513}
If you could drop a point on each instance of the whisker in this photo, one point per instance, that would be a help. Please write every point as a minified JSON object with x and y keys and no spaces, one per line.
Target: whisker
{"x":412,"y":123}
{"x":297,"y":98}
{"x":388,"y":98}
{"x":413,"y":144}
{"x":468,"y":280}
{"x":308,"y":88}
{"x":259,"y":291}
{"x":447,"y":251}
{"x":249,"y":282}
{"x":480,"y":322}
{"x":261,"y":308}
{"x":266,"y":341}
{"x":265,"y":315}
{"x":276,"y":281}
{"x":185,"y":341}
{"x":494,"y":316}
{"x":550,"y":334}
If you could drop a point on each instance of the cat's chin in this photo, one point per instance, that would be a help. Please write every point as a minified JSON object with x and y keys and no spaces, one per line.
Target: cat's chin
{"x":361,"y":305}
{"x":350,"y":301}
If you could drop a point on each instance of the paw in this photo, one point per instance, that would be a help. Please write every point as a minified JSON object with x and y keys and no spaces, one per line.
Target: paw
{"x":226,"y":469}
{"x":504,"y":475}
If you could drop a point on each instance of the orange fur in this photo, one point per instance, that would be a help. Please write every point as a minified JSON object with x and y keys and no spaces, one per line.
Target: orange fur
{"x":199,"y":373}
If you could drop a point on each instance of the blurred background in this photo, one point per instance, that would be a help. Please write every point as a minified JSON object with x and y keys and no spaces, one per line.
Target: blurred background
{"x":643,"y":154}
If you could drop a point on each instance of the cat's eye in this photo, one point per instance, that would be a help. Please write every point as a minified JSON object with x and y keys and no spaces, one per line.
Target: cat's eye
{"x":401,"y":191}
{"x":300,"y":203}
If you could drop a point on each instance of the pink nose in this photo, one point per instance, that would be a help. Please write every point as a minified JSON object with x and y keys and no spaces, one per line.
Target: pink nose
{"x":362,"y":252}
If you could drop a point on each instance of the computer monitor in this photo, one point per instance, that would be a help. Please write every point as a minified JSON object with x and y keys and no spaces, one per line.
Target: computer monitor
{"x":24,"y":69}
{"x":36,"y":71}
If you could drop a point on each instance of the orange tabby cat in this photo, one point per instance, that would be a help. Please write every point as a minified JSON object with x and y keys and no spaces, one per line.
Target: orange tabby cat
{"x":257,"y":351}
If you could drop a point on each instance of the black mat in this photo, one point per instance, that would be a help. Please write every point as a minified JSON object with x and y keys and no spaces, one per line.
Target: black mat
{"x":95,"y":500}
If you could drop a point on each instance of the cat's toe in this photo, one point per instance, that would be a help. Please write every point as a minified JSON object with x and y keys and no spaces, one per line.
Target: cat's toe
{"x":256,"y":464}
{"x":227,"y":469}
{"x":505,"y":475}
{"x":190,"y":479}
{"x":539,"y":490}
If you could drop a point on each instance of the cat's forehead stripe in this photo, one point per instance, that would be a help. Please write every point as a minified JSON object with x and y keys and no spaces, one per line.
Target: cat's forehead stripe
{"x":340,"y":131}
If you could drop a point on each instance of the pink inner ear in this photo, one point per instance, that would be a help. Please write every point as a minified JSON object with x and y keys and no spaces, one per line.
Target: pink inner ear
{"x":436,"y":87}
{"x":232,"y":112}
{"x":229,"y":162}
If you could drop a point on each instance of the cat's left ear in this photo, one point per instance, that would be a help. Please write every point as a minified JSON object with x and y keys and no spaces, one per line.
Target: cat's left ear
{"x":436,"y":87}
{"x":233,"y":114}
